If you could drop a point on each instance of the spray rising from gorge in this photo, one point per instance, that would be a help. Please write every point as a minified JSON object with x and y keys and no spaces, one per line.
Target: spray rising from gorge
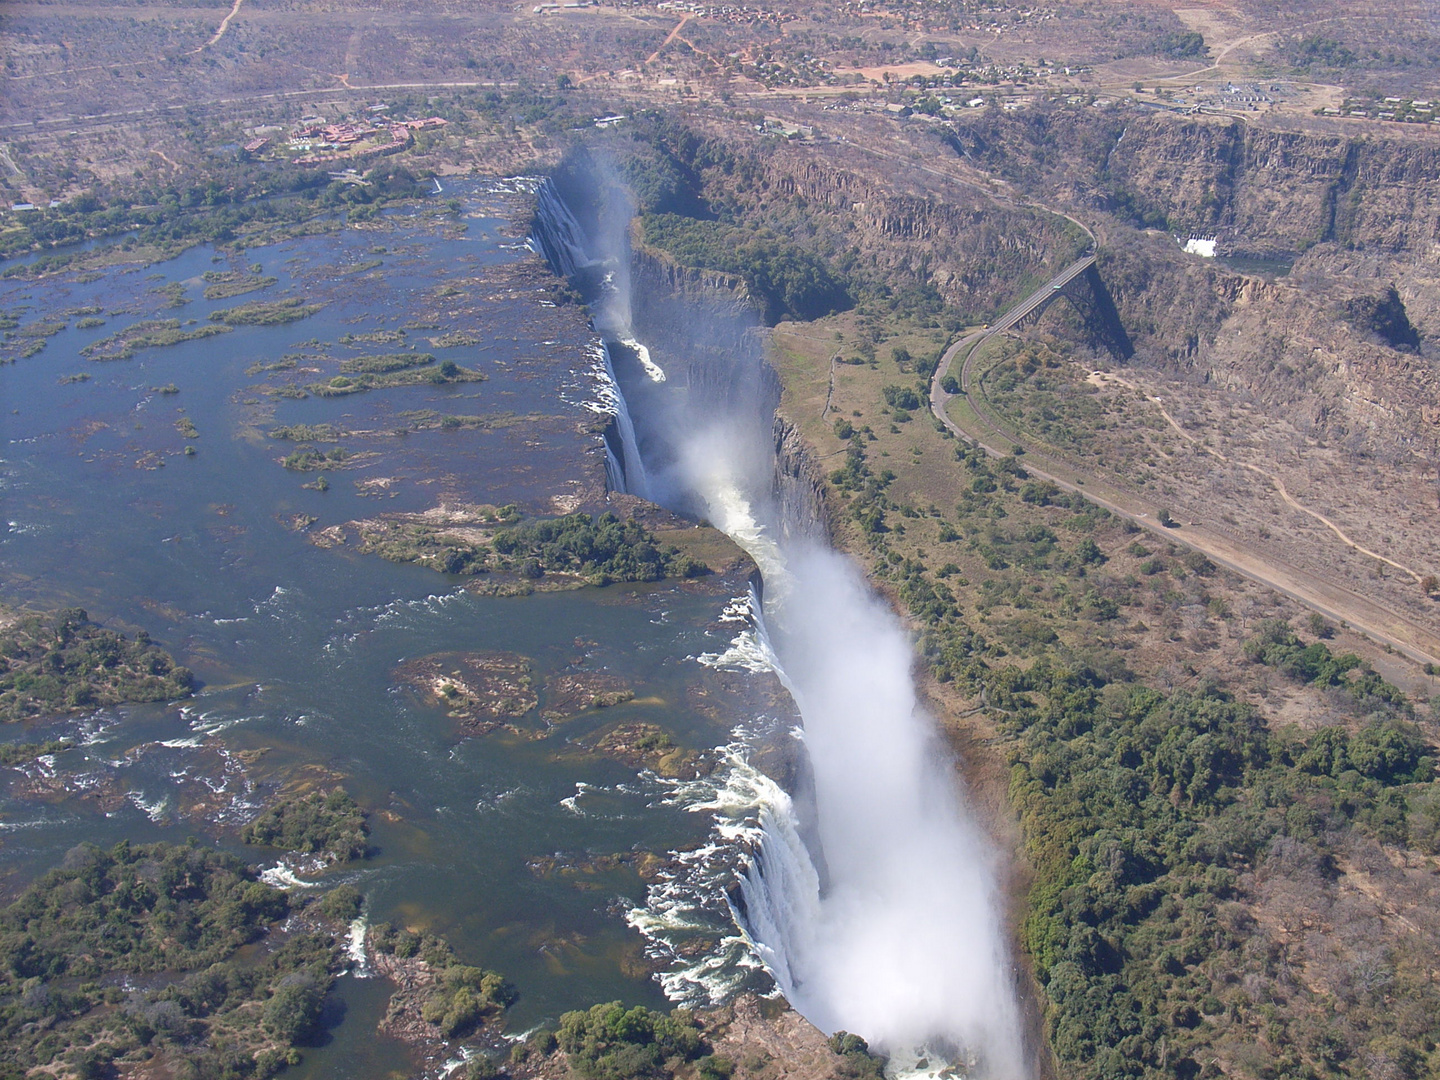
{"x":869,"y":894}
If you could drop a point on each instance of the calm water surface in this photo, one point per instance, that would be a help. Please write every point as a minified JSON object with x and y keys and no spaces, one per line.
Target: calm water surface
{"x":297,"y":645}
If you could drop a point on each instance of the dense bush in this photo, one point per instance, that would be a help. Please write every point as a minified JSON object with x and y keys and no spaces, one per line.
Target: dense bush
{"x":461,"y":997}
{"x":64,"y":661}
{"x":326,"y":822}
{"x":859,"y":1063}
{"x":176,"y":915}
{"x":610,"y":1042}
{"x":604,"y":548}
{"x":464,"y":996}
{"x":1141,"y":811}
{"x":1276,"y":644}
{"x":901,"y":397}
{"x":788,"y":281}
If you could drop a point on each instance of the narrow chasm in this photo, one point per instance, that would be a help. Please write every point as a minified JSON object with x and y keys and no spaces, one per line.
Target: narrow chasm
{"x":864,"y":885}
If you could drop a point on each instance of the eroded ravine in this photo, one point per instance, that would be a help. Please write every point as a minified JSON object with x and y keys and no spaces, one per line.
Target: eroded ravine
{"x":868,"y":891}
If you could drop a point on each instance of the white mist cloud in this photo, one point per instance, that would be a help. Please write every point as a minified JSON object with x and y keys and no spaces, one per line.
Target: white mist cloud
{"x":892,"y":929}
{"x":908,"y":945}
{"x":901,"y":938}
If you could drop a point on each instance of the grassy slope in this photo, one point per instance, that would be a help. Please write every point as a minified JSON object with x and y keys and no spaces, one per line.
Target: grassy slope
{"x":1273,"y":990}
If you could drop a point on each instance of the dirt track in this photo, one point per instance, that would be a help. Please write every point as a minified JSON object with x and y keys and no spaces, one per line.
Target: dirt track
{"x":1332,"y":600}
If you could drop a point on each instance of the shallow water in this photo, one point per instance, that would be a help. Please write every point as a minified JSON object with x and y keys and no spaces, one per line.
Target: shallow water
{"x":297,"y":645}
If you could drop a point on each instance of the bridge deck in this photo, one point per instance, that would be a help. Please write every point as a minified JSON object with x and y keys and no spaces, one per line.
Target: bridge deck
{"x":1043,"y":295}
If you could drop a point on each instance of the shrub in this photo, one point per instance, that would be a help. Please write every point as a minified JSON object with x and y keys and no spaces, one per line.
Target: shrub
{"x":293,"y":1011}
{"x":342,"y":903}
{"x":328,"y":822}
{"x":609,"y":1042}
{"x":901,"y":397}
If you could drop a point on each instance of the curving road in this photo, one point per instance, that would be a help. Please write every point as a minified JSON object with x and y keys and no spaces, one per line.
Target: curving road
{"x":981,"y":427}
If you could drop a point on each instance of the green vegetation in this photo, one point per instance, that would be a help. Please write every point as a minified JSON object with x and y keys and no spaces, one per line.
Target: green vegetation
{"x":320,"y":822}
{"x":22,"y":753}
{"x":385,"y":363}
{"x":1151,"y":821}
{"x":1317,"y":51}
{"x":462,"y":997}
{"x":28,"y":340}
{"x":788,"y":281}
{"x":902,"y":397}
{"x":90,"y":322}
{"x":176,"y":915}
{"x":150,"y":334}
{"x":1180,"y":45}
{"x":374,"y":337}
{"x":603,"y":549}
{"x":186,"y":427}
{"x":157,"y":219}
{"x":610,"y":1042}
{"x":859,"y":1063}
{"x":438,"y":375}
{"x":285,"y":363}
{"x":1277,"y":645}
{"x":307,"y":433}
{"x":57,"y":663}
{"x":173,"y":293}
{"x":455,"y":339}
{"x":595,"y":550}
{"x":309,"y":459}
{"x":266,"y":313}
{"x":223,"y":284}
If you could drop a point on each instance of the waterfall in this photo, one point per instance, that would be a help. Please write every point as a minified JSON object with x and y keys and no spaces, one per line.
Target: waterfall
{"x":871,"y":897}
{"x":632,"y":478}
{"x":557,"y":236}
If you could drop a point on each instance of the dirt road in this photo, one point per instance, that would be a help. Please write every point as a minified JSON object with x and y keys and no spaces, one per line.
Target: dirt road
{"x":1330,"y":599}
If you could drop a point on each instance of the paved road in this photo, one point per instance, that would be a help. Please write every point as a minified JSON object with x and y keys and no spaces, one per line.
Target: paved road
{"x":1042,"y":295}
{"x":1314,"y":591}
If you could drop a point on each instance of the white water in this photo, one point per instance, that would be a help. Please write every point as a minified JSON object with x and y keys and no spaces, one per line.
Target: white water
{"x":904,"y":945}
{"x":634,"y":477}
{"x":564,"y":244}
{"x":887,"y":921}
{"x":892,"y":928}
{"x":355,"y":947}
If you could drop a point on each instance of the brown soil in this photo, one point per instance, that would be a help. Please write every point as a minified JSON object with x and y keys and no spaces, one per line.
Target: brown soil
{"x":573,"y":693}
{"x":480,"y":690}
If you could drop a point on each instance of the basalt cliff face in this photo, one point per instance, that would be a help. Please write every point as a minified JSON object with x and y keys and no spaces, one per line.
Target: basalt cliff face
{"x":978,"y":253}
{"x":885,"y":226}
{"x":1278,"y":192}
{"x":1262,"y":192}
{"x":669,"y":300}
{"x":799,"y":481}
{"x":1358,"y":213}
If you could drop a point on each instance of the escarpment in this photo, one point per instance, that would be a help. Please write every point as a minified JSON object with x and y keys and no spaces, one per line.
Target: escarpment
{"x":884,"y":228}
{"x":653,"y":271}
{"x":976,"y":252}
{"x":1262,"y":191}
{"x":799,"y":481}
{"x":1267,"y":192}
